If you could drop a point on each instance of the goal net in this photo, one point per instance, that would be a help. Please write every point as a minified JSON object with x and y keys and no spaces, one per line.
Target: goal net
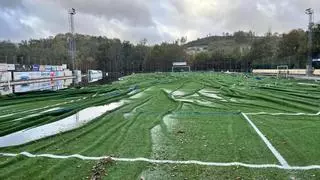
{"x":282,"y":71}
{"x":181,"y":69}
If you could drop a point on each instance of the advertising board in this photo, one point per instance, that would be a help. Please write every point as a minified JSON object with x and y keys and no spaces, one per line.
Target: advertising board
{"x":48,"y":68}
{"x":77,"y":73}
{"x":11,"y":67}
{"x":5,"y":76}
{"x":35,"y":67}
{"x":95,"y":74}
{"x":23,"y":76}
{"x":42,"y":68}
{"x":64,"y":66}
{"x":67,"y":73}
{"x":33,"y":87}
{"x":59,"y":74}
{"x":5,"y":90}
{"x":45,"y":74}
{"x":3,"y":67}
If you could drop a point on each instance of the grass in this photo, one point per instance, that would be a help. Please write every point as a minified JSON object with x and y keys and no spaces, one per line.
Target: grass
{"x":41,"y":168}
{"x":296,"y":137}
{"x":78,"y":169}
{"x":187,"y":116}
{"x":214,"y":137}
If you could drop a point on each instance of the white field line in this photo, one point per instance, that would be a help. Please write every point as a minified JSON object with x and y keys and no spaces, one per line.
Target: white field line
{"x":21,"y":112}
{"x":286,"y":114}
{"x":140,"y":159}
{"x":37,"y":114}
{"x":282,"y":161}
{"x":31,"y":110}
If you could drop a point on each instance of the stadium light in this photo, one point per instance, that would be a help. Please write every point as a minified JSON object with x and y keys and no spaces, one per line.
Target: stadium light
{"x":309,"y":12}
{"x":72,"y":43}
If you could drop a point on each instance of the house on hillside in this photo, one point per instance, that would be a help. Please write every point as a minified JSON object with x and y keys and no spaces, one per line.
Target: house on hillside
{"x":196,"y":49}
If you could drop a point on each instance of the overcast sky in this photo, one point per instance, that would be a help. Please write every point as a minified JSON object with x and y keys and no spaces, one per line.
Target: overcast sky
{"x":155,"y":20}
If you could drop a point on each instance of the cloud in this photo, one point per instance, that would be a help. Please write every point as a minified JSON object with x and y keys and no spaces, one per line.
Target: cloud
{"x":158,"y":21}
{"x":12,"y":28}
{"x":214,"y":17}
{"x":133,"y":12}
{"x":10,"y":3}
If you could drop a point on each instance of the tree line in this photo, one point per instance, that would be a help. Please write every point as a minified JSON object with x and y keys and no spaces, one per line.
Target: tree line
{"x":240,"y":51}
{"x":249,"y":51}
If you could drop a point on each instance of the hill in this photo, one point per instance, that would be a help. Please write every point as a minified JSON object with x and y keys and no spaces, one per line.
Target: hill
{"x":226,"y":44}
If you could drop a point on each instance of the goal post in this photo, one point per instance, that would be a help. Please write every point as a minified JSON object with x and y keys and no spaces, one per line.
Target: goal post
{"x":282,"y":71}
{"x":180,"y":67}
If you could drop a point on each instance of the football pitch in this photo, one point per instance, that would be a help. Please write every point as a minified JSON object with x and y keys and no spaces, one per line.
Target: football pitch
{"x":165,"y":126}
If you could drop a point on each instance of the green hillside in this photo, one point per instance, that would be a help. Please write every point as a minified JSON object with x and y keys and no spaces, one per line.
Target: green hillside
{"x":223,"y":44}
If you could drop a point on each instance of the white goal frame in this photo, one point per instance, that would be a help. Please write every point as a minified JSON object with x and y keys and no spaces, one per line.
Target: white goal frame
{"x":176,"y":65}
{"x":282,"y":71}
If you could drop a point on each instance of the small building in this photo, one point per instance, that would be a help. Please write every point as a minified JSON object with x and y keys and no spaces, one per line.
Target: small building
{"x":196,"y":49}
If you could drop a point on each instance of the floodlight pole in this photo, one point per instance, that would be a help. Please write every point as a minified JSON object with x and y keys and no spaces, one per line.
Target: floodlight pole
{"x":309,"y":64}
{"x":72,"y":42}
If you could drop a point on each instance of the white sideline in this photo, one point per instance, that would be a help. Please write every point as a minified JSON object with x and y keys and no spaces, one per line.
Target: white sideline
{"x":30,"y":110}
{"x":287,"y":114}
{"x":140,"y":159}
{"x":282,"y":161}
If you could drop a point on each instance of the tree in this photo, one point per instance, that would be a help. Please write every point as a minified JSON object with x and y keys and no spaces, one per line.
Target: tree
{"x":162,"y":56}
{"x":7,"y":50}
{"x":183,"y":40}
{"x":316,"y":41}
{"x":263,"y":51}
{"x":103,"y":60}
{"x":292,"y":43}
{"x":241,"y":37}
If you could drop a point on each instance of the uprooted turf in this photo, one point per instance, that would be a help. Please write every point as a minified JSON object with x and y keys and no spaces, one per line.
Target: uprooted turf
{"x":188,"y":116}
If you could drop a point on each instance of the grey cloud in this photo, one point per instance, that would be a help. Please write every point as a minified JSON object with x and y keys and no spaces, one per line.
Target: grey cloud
{"x":151,"y":34}
{"x":10,"y":3}
{"x":287,"y":15}
{"x":246,"y":17}
{"x":13,"y":29}
{"x":133,"y":12}
{"x":157,"y":21}
{"x":279,"y":15}
{"x":91,"y":15}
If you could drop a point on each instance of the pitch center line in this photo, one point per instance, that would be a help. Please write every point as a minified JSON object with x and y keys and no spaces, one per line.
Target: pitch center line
{"x":282,"y":161}
{"x":140,"y":159}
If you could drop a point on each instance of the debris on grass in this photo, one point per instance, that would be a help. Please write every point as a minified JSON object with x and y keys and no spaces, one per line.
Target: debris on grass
{"x":99,"y":170}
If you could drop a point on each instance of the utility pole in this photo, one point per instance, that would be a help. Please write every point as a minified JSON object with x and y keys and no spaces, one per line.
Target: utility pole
{"x":310,"y":12}
{"x":72,"y":42}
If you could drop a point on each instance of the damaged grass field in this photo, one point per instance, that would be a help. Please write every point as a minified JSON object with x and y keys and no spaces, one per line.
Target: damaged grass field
{"x":165,"y":126}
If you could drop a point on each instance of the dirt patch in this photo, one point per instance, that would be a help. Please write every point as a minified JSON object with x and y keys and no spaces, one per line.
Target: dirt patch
{"x":99,"y":170}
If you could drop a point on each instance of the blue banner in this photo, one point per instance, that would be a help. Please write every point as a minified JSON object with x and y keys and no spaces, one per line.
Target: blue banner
{"x":35,"y":67}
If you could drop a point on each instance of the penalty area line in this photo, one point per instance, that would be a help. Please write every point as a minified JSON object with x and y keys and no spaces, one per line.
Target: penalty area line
{"x":284,"y":114}
{"x":140,"y":159}
{"x":282,"y":161}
